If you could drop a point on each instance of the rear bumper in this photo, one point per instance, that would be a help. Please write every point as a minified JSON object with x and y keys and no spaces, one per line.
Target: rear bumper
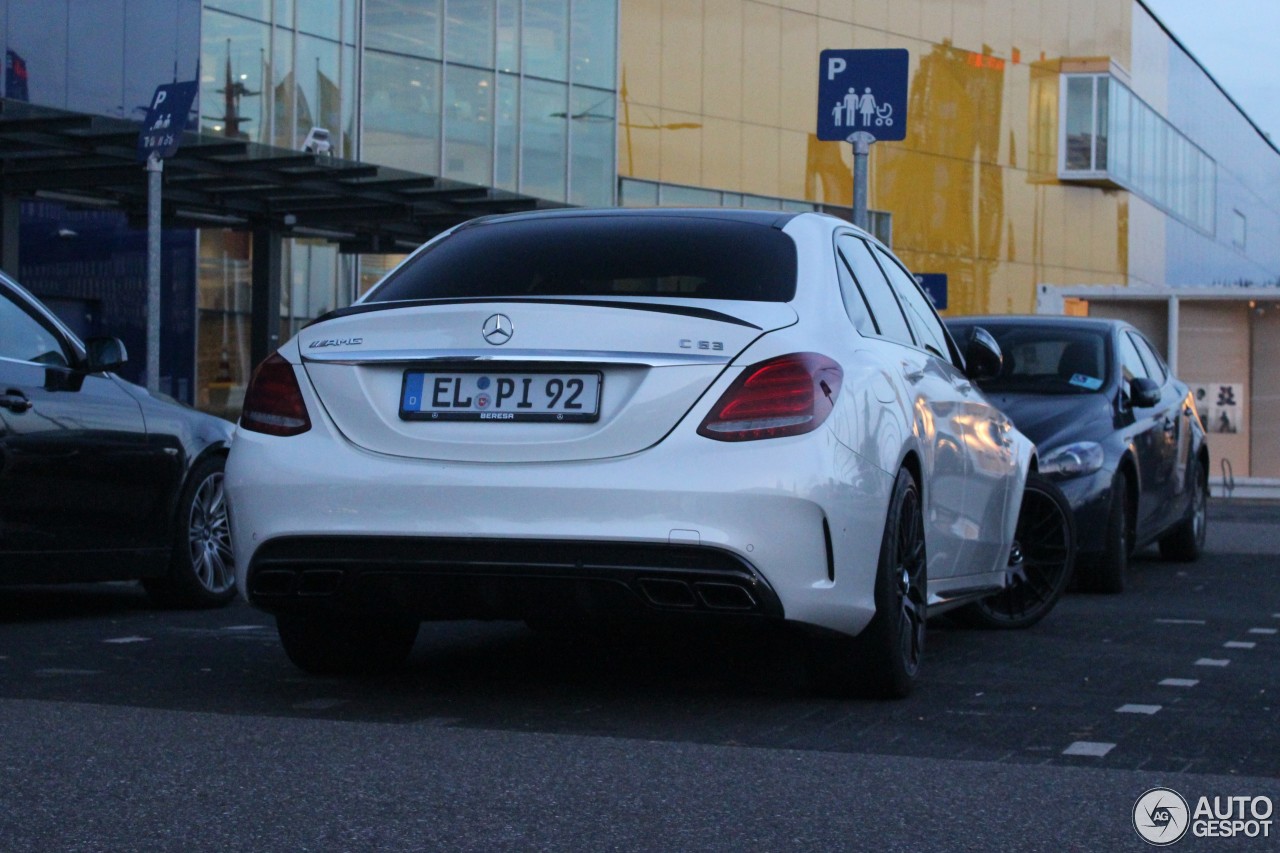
{"x":433,"y":578}
{"x":802,"y":541}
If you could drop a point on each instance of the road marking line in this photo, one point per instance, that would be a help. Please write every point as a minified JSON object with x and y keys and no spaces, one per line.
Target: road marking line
{"x":1267,"y":631}
{"x":1180,"y":682}
{"x":1181,"y":622}
{"x":1236,"y":644}
{"x":123,"y":640}
{"x":1138,"y":709}
{"x":243,"y":628}
{"x":1089,"y":748}
{"x":1212,"y":662}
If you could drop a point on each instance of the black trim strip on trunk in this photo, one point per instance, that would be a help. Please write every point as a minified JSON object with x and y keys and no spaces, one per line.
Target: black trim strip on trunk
{"x":683,"y":310}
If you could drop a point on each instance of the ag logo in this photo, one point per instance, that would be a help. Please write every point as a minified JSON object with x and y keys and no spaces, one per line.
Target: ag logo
{"x":1161,"y":816}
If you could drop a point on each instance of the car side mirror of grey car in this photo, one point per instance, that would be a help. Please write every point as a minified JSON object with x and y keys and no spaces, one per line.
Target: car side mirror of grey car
{"x":1144,"y":392}
{"x":103,"y":354}
{"x":982,"y":356}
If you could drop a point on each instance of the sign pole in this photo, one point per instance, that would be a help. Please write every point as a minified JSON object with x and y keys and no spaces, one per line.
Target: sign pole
{"x":861,"y":151}
{"x":160,"y":138}
{"x":155,"y":171}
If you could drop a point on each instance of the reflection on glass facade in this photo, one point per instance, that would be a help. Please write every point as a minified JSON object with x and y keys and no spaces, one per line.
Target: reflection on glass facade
{"x":1111,"y":134}
{"x":514,"y":94}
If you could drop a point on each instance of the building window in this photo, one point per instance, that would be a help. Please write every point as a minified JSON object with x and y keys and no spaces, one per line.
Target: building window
{"x":1239,"y":230}
{"x":1110,"y":136}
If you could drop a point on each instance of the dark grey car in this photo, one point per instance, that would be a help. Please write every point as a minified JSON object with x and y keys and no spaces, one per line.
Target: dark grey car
{"x":1115,"y":429}
{"x":99,"y":479}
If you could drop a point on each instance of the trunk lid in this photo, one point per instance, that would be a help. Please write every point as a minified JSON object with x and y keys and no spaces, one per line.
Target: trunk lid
{"x":409,"y":379}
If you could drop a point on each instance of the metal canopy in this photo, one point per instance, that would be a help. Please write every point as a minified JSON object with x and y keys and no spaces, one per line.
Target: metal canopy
{"x":92,"y":161}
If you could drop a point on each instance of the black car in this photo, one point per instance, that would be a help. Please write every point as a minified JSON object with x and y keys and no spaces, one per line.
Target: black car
{"x":99,"y":479}
{"x":1114,"y":429}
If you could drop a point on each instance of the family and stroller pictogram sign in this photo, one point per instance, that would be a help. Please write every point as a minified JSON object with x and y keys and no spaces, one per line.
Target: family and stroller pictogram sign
{"x":862,"y":91}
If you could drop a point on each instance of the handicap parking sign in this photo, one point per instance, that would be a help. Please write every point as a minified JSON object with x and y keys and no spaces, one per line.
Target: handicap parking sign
{"x":862,"y":91}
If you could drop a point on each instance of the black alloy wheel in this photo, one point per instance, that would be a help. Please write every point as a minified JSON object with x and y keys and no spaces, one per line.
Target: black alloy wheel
{"x":884,"y":660}
{"x":1040,"y":565}
{"x":1185,"y":543}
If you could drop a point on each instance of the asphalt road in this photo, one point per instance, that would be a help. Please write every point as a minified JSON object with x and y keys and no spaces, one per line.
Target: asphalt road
{"x":123,"y":727}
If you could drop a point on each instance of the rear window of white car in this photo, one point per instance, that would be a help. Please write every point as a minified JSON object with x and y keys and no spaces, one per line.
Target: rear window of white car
{"x":593,"y":256}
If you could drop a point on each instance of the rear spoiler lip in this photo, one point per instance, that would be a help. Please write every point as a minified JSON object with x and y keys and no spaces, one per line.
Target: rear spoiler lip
{"x":660,"y":307}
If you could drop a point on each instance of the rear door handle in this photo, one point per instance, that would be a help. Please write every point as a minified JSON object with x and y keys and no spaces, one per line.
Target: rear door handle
{"x":14,"y":401}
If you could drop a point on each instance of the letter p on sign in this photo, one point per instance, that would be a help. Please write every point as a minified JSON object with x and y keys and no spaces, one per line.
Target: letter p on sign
{"x":835,"y":65}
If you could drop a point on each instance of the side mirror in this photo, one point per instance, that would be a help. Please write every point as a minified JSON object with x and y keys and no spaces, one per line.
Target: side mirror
{"x":982,"y":356}
{"x":1144,"y":392}
{"x":103,"y":354}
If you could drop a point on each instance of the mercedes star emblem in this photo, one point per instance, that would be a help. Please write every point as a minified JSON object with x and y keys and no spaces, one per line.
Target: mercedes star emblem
{"x":497,"y":330}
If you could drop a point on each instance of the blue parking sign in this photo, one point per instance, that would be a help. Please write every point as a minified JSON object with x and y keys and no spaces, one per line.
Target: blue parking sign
{"x":934,"y":285}
{"x":862,"y":91}
{"x":166,"y":119}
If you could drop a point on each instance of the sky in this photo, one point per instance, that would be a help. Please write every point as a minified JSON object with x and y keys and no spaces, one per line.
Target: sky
{"x":1237,"y":41}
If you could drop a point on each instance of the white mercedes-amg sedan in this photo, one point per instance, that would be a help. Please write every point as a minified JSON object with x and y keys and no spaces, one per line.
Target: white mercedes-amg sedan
{"x":602,"y":415}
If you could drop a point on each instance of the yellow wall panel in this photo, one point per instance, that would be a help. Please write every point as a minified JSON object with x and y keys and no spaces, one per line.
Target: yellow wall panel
{"x":904,"y":17}
{"x":936,"y":24}
{"x":639,"y":149}
{"x":1082,"y":21}
{"x":1055,"y":28}
{"x":721,"y":153}
{"x":682,"y":55}
{"x":872,"y":14}
{"x":1114,"y":24}
{"x":681,"y":148}
{"x":761,"y":61}
{"x":798,"y":93}
{"x":1026,"y":29}
{"x":836,"y":10}
{"x":973,"y":189}
{"x":760,"y":159}
{"x":793,"y":154}
{"x":640,"y":50}
{"x":834,"y":35}
{"x":967,"y":27}
{"x":869,"y":39}
{"x":723,"y":75}
{"x":997,"y":26}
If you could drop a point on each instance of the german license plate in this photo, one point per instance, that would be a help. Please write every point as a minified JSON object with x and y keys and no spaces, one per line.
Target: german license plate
{"x":482,"y":396}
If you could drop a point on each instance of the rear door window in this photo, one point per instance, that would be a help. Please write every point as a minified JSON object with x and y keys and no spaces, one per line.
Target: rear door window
{"x":885,"y":310}
{"x":925,"y":324}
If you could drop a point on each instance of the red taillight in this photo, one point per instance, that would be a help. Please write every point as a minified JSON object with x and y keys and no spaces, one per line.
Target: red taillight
{"x":273,"y":403}
{"x":788,"y":395}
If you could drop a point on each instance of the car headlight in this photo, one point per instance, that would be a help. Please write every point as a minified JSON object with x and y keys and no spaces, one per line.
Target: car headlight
{"x":1072,"y":460}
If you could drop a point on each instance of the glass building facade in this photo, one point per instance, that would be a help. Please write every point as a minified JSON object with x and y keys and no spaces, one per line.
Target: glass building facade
{"x":513,"y":94}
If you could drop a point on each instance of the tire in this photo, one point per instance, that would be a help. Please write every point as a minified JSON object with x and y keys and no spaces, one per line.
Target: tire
{"x":1185,"y":543}
{"x":202,"y":569}
{"x":1107,"y":572}
{"x":1041,"y":565}
{"x":884,"y":660}
{"x":333,"y":645}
